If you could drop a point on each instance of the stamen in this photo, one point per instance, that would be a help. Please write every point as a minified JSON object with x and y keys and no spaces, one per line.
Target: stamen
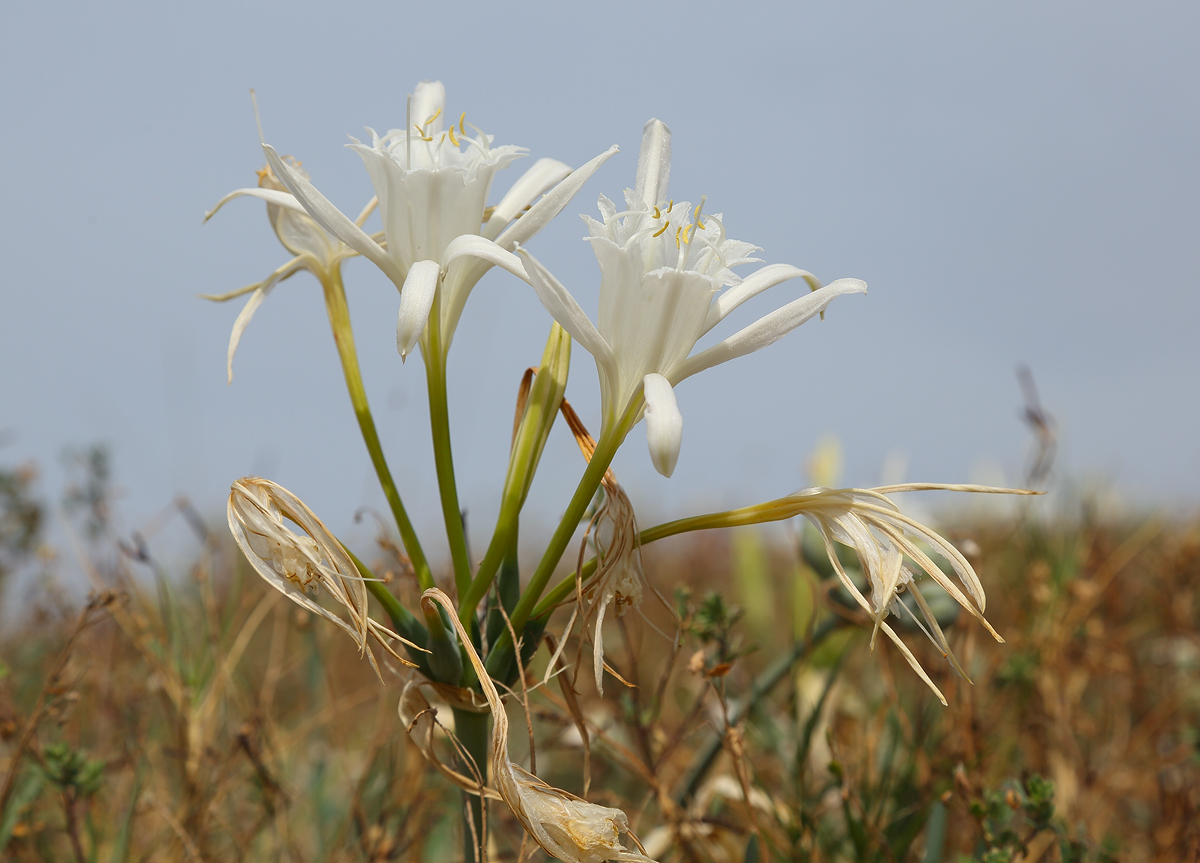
{"x":657,"y":214}
{"x":436,"y":114}
{"x":660,"y":231}
{"x":699,"y":208}
{"x":687,"y":229}
{"x":461,"y":129}
{"x":257,"y":119}
{"x":677,"y":230}
{"x":453,"y":140}
{"x":670,"y":204}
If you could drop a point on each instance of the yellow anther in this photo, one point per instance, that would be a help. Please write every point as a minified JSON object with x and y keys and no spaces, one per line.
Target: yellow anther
{"x":442,"y":139}
{"x":687,"y":229}
{"x":677,"y":230}
{"x":436,"y":114}
{"x":453,"y":140}
{"x":661,"y":230}
{"x":462,"y":129}
{"x":670,"y":204}
{"x":699,"y":224}
{"x":657,"y":214}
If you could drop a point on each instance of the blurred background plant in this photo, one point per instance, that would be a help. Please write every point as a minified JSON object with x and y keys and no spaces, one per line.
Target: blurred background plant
{"x":192,"y":715}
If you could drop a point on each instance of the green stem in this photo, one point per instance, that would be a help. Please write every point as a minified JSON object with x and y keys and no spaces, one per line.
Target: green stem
{"x":506,"y":524}
{"x":711,"y":521}
{"x":606,"y":448}
{"x":471,"y":729}
{"x":443,"y":458}
{"x":343,"y":336}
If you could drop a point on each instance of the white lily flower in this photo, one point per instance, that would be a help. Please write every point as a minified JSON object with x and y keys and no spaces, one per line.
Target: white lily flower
{"x":663,"y":267}
{"x":432,"y":180}
{"x":314,"y":249}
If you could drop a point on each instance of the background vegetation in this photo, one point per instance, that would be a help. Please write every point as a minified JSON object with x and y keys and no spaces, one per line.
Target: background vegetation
{"x":197,"y":715}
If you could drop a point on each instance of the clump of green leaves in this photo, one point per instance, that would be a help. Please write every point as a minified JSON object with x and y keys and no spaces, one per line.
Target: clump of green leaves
{"x":71,"y":770}
{"x":711,"y":622}
{"x":1013,"y":817}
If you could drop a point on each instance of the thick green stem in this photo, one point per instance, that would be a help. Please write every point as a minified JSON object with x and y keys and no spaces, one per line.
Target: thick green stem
{"x":471,"y":729}
{"x":443,"y":458}
{"x":606,"y":448}
{"x":343,"y":336}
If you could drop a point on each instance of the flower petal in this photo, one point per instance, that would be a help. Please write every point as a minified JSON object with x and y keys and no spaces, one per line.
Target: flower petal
{"x":753,"y":285}
{"x":331,"y":218}
{"x":260,"y":293}
{"x":416,"y":299}
{"x":541,"y":176}
{"x":428,"y":100}
{"x":654,"y":163}
{"x":551,"y":204}
{"x":767,"y":329}
{"x":664,"y":423}
{"x":475,"y":246}
{"x":563,"y":308}
{"x":271,"y":196}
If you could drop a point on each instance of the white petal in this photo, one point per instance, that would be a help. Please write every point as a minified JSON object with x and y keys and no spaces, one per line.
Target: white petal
{"x":475,"y":246}
{"x":654,"y":163}
{"x":767,"y":329}
{"x":428,"y":99}
{"x":563,"y":308}
{"x":551,"y":204}
{"x":331,"y":218}
{"x":753,"y":285}
{"x":416,"y":299}
{"x":260,"y":293}
{"x":664,"y":423}
{"x":541,"y":176}
{"x":271,"y":196}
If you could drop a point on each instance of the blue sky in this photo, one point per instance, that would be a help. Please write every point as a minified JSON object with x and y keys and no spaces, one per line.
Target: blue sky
{"x":1016,"y":182}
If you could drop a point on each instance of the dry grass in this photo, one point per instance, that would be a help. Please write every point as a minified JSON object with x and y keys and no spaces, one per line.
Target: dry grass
{"x":197,"y":716}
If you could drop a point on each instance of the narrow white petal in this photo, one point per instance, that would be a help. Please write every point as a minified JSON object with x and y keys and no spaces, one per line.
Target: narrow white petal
{"x":541,"y":176}
{"x":664,"y":423}
{"x":260,"y":293}
{"x":331,"y":218}
{"x":416,"y":299}
{"x":753,"y":285}
{"x":654,"y":163}
{"x":551,"y":204}
{"x":271,"y":196}
{"x":475,"y":246}
{"x":563,"y":308}
{"x":767,"y":329}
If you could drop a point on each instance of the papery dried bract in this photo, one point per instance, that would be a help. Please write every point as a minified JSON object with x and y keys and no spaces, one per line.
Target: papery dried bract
{"x":565,"y":826}
{"x":298,"y":563}
{"x":619,"y":575}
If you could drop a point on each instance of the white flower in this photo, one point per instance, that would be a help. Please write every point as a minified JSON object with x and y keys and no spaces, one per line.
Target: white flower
{"x":432,"y":180}
{"x":314,"y":249}
{"x":565,"y":826}
{"x":663,"y":266}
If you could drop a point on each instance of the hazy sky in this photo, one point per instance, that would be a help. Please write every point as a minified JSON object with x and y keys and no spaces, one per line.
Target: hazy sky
{"x":1016,"y":182}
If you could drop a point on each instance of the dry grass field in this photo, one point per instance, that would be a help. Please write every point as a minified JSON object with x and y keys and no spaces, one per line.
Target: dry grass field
{"x":197,"y":716}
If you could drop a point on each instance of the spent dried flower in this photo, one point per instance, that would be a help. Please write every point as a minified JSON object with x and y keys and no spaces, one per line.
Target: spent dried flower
{"x":565,"y":826}
{"x":297,"y":564}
